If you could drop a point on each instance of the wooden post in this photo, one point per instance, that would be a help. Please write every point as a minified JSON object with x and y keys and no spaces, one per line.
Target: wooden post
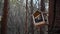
{"x":4,"y":18}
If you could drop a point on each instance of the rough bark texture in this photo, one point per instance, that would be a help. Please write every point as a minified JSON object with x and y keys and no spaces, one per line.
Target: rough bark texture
{"x":54,"y":17}
{"x":4,"y":18}
{"x":56,"y":27}
{"x":51,"y":12}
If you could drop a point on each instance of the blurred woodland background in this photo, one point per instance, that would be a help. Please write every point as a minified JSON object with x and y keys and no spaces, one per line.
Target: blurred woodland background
{"x":17,"y":11}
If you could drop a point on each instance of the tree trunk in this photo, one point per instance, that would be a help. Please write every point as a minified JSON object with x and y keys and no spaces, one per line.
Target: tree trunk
{"x":51,"y":13}
{"x":4,"y":18}
{"x":26,"y":23}
{"x":32,"y":26}
{"x":42,"y":10}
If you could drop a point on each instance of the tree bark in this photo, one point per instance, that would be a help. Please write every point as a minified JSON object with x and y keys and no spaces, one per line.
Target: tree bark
{"x":4,"y":18}
{"x":32,"y":26}
{"x":51,"y":13}
{"x":42,"y":10}
{"x":26,"y":23}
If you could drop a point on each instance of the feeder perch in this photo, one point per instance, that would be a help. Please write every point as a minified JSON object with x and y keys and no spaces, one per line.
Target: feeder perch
{"x":38,"y":19}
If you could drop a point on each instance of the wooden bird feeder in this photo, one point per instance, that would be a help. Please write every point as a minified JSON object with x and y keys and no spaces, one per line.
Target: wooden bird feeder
{"x":38,"y":19}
